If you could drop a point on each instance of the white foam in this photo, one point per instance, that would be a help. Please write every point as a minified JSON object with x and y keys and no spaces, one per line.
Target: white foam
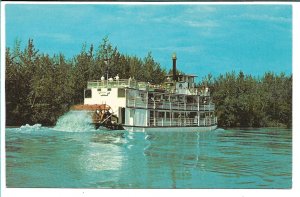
{"x":28,"y":127}
{"x":75,"y":121}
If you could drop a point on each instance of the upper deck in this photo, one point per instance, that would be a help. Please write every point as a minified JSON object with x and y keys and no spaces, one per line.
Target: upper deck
{"x":181,"y":84}
{"x":170,"y":87}
{"x":121,"y":83}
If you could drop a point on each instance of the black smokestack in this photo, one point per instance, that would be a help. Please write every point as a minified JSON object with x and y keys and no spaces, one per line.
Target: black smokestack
{"x":174,"y":66}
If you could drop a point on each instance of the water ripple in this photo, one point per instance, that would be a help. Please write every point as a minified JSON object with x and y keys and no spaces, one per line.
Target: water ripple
{"x":44,"y":157}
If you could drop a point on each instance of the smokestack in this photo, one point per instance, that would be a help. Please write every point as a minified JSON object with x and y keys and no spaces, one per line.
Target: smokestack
{"x":174,"y":66}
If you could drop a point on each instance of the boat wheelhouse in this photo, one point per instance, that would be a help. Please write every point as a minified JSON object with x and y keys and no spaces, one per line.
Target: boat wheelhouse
{"x":175,"y":105}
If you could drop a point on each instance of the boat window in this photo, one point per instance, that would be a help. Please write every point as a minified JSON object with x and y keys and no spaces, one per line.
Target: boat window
{"x":121,"y":93}
{"x":151,"y":114}
{"x":168,"y":114}
{"x":131,"y":113}
{"x":99,"y":89}
{"x":161,"y":114}
{"x":108,"y":89}
{"x":88,"y":93}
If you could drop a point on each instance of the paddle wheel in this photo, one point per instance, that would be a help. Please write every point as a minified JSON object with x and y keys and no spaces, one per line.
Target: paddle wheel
{"x":101,"y":116}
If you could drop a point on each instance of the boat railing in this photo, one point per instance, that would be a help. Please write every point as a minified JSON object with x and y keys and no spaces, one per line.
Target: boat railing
{"x":192,"y":107}
{"x":131,"y":83}
{"x":203,"y":93}
{"x":142,"y":85}
{"x":136,"y":103}
{"x":208,"y":121}
{"x":193,"y":91}
{"x":208,"y":107}
{"x":168,"y":105}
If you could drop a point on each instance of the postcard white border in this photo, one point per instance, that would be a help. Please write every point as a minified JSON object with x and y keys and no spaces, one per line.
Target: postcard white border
{"x":8,"y":192}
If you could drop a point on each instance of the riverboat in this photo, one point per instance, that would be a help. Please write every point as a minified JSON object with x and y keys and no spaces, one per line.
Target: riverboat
{"x":175,"y":105}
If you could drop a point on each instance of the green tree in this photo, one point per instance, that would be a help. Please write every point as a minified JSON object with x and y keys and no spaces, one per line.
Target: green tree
{"x":152,"y":70}
{"x":244,"y":101}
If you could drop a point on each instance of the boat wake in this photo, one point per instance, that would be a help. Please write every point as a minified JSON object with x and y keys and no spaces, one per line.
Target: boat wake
{"x":28,"y":127}
{"x":75,"y":121}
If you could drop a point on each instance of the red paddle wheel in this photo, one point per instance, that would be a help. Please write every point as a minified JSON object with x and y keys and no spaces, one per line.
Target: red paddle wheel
{"x":102,"y":115}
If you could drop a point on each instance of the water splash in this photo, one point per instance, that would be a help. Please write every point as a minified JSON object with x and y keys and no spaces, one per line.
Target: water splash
{"x":28,"y":127}
{"x":75,"y":121}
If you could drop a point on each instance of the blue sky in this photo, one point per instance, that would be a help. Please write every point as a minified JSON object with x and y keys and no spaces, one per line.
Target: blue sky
{"x":206,"y":38}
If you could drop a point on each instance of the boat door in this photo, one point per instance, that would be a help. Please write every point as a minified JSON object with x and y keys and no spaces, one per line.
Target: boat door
{"x":121,"y":115}
{"x":131,"y":117}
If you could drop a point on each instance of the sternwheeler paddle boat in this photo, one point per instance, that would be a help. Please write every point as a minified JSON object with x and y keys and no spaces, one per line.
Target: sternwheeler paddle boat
{"x":175,"y":105}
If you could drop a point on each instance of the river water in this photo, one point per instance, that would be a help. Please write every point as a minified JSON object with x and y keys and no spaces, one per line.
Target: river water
{"x":80,"y":157}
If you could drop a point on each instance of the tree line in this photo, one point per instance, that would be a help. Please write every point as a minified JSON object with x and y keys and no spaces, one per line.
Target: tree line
{"x":246,"y":101}
{"x":40,"y":88}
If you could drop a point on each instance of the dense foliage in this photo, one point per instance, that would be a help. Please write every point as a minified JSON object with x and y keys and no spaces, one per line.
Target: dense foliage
{"x":244,"y":101}
{"x":40,"y":88}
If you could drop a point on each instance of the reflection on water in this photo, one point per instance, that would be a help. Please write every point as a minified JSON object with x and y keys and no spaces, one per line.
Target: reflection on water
{"x":258,"y":158}
{"x":103,"y":153}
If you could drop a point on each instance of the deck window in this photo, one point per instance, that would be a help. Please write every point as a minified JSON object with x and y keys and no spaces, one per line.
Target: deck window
{"x":121,"y":93}
{"x":132,"y":113}
{"x":161,"y":114}
{"x":88,"y":93}
{"x":168,"y":115}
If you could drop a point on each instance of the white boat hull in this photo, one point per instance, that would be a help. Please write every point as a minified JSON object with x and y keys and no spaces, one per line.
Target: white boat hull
{"x":171,"y":129}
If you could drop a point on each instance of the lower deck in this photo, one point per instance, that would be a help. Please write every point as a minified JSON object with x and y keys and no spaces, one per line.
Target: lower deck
{"x":171,"y":129}
{"x":166,"y":118}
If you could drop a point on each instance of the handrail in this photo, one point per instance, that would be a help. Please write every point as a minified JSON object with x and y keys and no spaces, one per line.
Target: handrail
{"x":112,"y":83}
{"x":158,"y":121}
{"x":168,"y":105}
{"x":132,"y":83}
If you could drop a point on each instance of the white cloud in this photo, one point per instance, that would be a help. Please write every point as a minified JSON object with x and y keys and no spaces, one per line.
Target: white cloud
{"x":61,"y":37}
{"x":206,"y":23}
{"x":202,"y":9}
{"x":189,"y":16}
{"x":263,"y":17}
